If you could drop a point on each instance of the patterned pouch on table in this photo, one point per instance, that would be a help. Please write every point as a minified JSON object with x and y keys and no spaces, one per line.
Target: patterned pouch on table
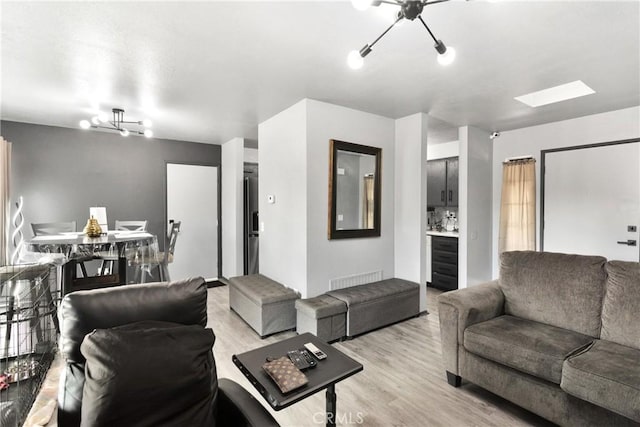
{"x":285,"y":374}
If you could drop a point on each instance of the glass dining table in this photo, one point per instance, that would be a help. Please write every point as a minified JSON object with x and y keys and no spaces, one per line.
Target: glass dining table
{"x":73,"y":249}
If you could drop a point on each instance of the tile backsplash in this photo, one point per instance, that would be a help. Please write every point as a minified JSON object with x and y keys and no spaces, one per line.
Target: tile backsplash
{"x":435,"y":218}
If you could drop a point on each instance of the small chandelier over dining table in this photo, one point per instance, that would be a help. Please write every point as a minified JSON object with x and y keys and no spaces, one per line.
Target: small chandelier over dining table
{"x":119,"y":124}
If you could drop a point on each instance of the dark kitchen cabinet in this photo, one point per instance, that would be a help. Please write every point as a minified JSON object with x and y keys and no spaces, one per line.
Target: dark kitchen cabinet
{"x":444,"y":259}
{"x":436,"y":182}
{"x":452,"y":182}
{"x":442,"y":182}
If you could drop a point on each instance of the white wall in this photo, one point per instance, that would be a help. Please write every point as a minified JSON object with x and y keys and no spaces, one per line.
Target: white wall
{"x":604,"y":127}
{"x":474,"y":243}
{"x":283,"y":173}
{"x":294,"y":166}
{"x":443,"y":150}
{"x":232,"y":207}
{"x":328,"y":259}
{"x":410,"y":216}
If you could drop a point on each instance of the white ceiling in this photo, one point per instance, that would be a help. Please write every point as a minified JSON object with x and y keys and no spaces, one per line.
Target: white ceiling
{"x":211,"y":71}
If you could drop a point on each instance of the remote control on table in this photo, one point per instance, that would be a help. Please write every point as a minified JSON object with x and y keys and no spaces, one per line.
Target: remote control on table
{"x":301,"y":359}
{"x":319,"y":354}
{"x":308,"y":357}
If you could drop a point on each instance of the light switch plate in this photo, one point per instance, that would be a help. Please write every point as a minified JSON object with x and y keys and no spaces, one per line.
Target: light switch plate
{"x":271,"y":199}
{"x":632,"y":228}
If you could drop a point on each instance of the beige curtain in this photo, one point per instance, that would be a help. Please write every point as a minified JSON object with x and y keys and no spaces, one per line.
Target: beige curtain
{"x":518,"y":206}
{"x":5,"y":199}
{"x":367,"y":211}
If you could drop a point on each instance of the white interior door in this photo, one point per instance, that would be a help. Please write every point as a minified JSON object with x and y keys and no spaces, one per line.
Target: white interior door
{"x":591,"y":198}
{"x":192,"y":199}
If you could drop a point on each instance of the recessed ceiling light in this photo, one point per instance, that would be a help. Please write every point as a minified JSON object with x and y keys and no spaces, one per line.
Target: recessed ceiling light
{"x":556,"y":94}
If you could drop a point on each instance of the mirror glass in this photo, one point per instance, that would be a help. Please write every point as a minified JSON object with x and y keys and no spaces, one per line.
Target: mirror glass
{"x":354,"y":192}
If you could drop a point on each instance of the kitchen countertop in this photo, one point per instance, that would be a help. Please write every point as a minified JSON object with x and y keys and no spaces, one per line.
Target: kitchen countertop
{"x":442,"y":233}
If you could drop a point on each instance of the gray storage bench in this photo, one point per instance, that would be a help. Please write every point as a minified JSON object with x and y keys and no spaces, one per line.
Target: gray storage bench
{"x":377,"y":304}
{"x":324,"y":316}
{"x":266,"y":305}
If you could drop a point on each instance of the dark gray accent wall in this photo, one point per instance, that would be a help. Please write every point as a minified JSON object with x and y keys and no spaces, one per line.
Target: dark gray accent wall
{"x":61,"y":172}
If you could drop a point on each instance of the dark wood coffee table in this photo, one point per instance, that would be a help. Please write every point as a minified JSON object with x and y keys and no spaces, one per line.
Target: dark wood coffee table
{"x":336,"y":367}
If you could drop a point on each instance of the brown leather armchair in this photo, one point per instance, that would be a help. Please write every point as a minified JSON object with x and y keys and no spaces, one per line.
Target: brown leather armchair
{"x":183,"y":303}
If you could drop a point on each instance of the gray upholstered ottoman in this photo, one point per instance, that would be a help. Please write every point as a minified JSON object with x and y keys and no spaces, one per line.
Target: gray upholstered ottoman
{"x":266,"y":305}
{"x":377,"y":304}
{"x":324,"y":316}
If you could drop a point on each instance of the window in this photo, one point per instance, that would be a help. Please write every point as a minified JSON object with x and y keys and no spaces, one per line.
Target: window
{"x":518,"y":206}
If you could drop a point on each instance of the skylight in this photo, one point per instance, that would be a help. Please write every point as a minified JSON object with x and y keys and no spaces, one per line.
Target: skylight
{"x":556,"y":94}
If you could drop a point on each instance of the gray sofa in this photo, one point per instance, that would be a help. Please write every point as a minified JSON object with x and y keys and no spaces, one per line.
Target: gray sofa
{"x":557,"y":334}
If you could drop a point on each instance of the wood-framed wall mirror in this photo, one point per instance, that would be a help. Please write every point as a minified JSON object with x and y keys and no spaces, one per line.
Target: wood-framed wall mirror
{"x":354,"y":190}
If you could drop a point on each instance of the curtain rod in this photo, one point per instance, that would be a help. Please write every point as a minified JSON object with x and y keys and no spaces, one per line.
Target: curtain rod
{"x":519,"y":159}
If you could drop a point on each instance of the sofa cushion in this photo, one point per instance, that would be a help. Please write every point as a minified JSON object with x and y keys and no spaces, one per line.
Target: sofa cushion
{"x":556,"y":289}
{"x":620,"y":319}
{"x":149,"y":373}
{"x":525,"y":345}
{"x":182,"y":301}
{"x":606,"y":374}
{"x":262,"y":290}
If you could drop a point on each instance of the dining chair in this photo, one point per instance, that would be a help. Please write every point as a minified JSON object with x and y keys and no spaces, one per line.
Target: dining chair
{"x":131,"y":225}
{"x":145,"y":265}
{"x":106,"y":266}
{"x":166,"y":257}
{"x":51,"y":228}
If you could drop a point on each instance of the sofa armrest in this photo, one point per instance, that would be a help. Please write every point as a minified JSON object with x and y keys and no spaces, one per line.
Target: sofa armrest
{"x":462,"y":308}
{"x":238,"y":408}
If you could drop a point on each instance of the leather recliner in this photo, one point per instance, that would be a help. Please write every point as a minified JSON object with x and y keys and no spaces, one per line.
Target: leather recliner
{"x":181,"y":302}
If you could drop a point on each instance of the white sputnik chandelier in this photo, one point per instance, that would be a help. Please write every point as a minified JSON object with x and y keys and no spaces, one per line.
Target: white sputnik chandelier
{"x":118,"y":124}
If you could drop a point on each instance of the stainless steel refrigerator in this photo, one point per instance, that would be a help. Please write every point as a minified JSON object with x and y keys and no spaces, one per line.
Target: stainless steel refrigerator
{"x":251,"y":224}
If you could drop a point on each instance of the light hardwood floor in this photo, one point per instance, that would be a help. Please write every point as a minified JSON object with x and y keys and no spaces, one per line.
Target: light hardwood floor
{"x":402,"y":384}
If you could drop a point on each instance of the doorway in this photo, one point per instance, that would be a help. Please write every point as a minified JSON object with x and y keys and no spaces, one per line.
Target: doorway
{"x":591,"y":200}
{"x":250,"y":215}
{"x":192,"y":199}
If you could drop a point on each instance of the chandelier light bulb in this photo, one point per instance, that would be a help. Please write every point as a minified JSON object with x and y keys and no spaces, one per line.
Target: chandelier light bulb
{"x":147,"y":123}
{"x":124,"y":132}
{"x":447,"y":57}
{"x":361,"y":4}
{"x":84,"y":124}
{"x":148,"y":133}
{"x":354,"y":60}
{"x":102,"y":117}
{"x":95,"y":120}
